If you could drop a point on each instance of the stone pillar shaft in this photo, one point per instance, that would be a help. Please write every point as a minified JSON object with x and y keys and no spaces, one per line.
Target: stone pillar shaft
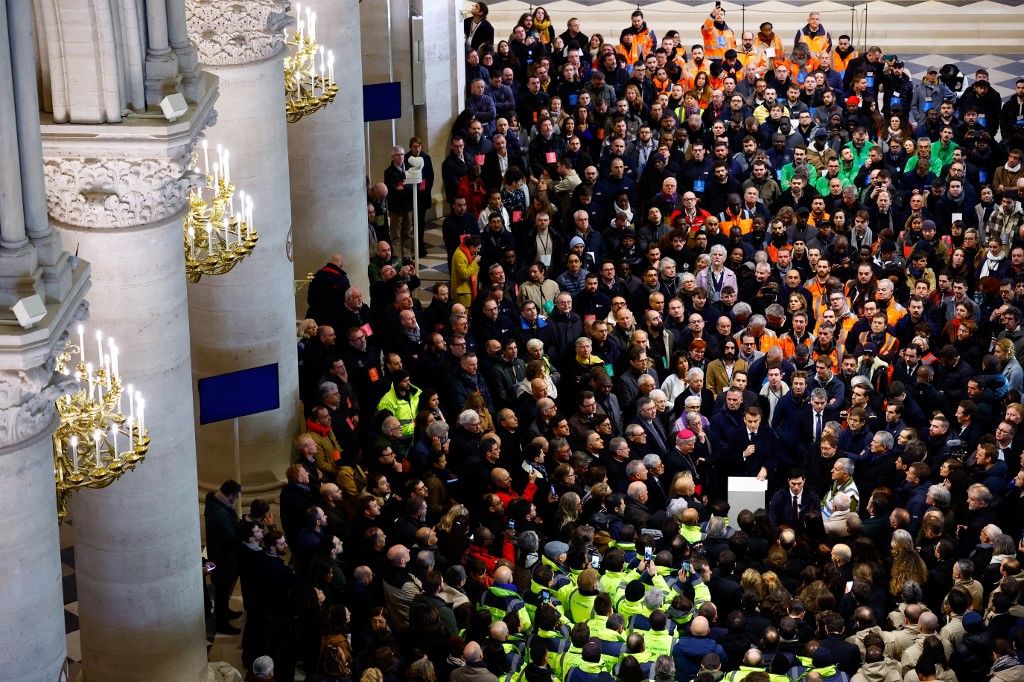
{"x":137,"y":552}
{"x":137,"y":546}
{"x":246,"y":318}
{"x":12,"y":216}
{"x":32,"y":619}
{"x":327,"y":155}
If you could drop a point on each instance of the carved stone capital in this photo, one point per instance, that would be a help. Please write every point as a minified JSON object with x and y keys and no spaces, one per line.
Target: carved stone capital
{"x":27,"y":395}
{"x":117,"y":192}
{"x":235,"y":32}
{"x":132,"y":174}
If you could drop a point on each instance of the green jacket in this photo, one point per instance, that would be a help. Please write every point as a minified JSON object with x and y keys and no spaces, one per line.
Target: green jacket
{"x":403,"y":410}
{"x":737,"y":675}
{"x":614,"y":582}
{"x":499,"y":601}
{"x":578,"y":607}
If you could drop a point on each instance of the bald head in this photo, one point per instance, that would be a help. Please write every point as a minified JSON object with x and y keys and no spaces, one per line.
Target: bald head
{"x":928,"y":623}
{"x":503,"y":574}
{"x":398,"y":555}
{"x":472,"y":653}
{"x":699,"y":627}
{"x":499,"y":631}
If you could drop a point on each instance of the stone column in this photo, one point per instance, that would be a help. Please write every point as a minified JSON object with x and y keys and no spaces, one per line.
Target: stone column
{"x":32,"y":640}
{"x":32,"y":617}
{"x":386,"y":58}
{"x":327,"y":155}
{"x":246,"y":318}
{"x":445,"y":81}
{"x":117,"y":195}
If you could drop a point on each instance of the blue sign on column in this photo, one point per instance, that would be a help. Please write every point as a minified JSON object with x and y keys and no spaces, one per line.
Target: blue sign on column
{"x":382,"y":102}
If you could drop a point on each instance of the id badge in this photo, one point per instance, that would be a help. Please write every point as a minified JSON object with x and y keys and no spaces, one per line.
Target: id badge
{"x":698,"y":185}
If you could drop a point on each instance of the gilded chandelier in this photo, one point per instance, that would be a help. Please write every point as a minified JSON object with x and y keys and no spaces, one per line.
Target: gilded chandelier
{"x":218,"y":228}
{"x":95,"y":442}
{"x":309,"y":83}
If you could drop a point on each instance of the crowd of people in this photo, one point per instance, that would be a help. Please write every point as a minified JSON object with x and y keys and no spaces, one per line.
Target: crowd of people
{"x":754,"y":256}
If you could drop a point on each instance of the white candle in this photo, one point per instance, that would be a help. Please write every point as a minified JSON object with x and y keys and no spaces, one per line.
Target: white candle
{"x":330,"y":65}
{"x":108,"y":372}
{"x":312,"y":27}
{"x":323,"y":62}
{"x":206,"y":156}
{"x":74,"y":454}
{"x":209,"y":236}
{"x":216,"y":172}
{"x":99,"y":345}
{"x":114,"y":353}
{"x":227,"y":241}
{"x":227,"y":166}
{"x":220,"y":153}
{"x":131,"y":436}
{"x":96,"y":435}
{"x":130,"y":390}
{"x":88,"y":373}
{"x":248,"y":217}
{"x":142,"y":419}
{"x":113,"y":440}
{"x":81,"y":342}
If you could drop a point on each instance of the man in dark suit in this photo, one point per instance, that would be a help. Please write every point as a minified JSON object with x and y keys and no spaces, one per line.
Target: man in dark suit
{"x":836,"y":650}
{"x":724,"y":586}
{"x":646,"y":412}
{"x":788,"y":505}
{"x":752,"y":448}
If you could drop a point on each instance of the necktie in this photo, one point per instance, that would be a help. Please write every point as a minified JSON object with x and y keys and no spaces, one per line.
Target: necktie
{"x":750,"y":436}
{"x":817,"y":426}
{"x":796,"y":510}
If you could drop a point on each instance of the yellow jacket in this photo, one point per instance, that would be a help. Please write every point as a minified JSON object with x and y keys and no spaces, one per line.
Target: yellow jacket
{"x":465,"y":269}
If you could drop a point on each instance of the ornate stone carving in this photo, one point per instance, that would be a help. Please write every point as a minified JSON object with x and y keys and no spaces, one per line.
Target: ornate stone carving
{"x":117,"y":192}
{"x":236,"y":31}
{"x":27,"y":397}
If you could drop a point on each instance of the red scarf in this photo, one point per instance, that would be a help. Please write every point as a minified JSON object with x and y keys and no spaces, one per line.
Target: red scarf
{"x":318,"y":429}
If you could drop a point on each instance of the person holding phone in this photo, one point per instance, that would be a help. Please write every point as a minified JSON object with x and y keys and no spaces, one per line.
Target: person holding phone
{"x":718,"y":37}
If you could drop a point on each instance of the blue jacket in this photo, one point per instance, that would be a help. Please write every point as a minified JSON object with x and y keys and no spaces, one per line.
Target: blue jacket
{"x":688,"y":652}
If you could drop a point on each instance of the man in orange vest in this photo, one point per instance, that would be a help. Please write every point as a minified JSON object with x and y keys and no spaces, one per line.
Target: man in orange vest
{"x":843,"y":54}
{"x":718,"y":37}
{"x":815,"y":37}
{"x":638,"y":36}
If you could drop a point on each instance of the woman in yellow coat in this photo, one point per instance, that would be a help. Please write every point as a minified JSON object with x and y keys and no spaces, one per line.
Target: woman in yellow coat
{"x":465,"y":269}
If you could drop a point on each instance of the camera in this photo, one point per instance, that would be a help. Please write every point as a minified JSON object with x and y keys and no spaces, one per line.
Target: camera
{"x":406,"y":261}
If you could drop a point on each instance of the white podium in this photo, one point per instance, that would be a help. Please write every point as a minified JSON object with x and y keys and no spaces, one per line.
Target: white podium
{"x":745,"y":492}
